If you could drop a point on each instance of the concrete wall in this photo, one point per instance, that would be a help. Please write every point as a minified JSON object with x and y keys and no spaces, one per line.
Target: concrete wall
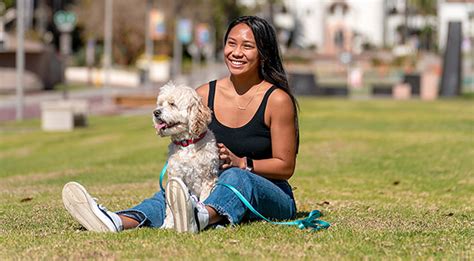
{"x":452,"y":12}
{"x":365,"y":17}
{"x":45,"y":64}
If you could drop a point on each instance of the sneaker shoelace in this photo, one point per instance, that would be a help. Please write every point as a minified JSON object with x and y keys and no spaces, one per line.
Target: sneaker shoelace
{"x":196,"y":203}
{"x":100,"y":206}
{"x":200,"y":212}
{"x":105,"y":211}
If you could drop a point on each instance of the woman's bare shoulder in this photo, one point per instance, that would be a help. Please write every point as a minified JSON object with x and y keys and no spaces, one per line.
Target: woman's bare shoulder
{"x":203,"y":90}
{"x":280,"y":98}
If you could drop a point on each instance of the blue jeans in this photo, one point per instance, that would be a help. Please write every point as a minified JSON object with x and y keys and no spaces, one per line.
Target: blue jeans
{"x":272,"y":198}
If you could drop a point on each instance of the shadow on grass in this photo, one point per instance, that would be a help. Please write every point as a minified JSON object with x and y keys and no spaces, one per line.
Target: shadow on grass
{"x":302,"y":214}
{"x":299,"y":215}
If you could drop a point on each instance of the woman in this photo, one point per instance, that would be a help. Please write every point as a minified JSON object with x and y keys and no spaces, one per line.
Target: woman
{"x":256,"y":126}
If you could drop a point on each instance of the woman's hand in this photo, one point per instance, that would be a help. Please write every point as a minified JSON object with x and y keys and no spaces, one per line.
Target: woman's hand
{"x":229,"y":159}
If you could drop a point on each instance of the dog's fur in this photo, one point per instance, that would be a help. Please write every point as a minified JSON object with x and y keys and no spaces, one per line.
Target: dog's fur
{"x":181,"y":115}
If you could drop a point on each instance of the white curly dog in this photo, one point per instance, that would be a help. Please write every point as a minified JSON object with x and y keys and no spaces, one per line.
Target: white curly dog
{"x":192,"y":154}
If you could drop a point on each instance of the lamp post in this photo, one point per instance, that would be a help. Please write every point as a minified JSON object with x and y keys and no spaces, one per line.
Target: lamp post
{"x":471,"y":23}
{"x":20,"y":57}
{"x":65,"y":22}
{"x":107,"y":49}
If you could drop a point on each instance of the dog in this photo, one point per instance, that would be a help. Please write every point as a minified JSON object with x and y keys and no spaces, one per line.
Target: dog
{"x":193,"y":155}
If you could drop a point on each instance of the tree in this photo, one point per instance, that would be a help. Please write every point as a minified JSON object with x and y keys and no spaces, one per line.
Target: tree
{"x":129,"y":22}
{"x":128,"y":26}
{"x":425,"y":8}
{"x":223,"y":12}
{"x":8,"y":3}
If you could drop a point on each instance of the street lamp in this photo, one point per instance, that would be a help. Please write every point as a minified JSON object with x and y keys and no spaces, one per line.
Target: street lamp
{"x":107,"y":49}
{"x":20,"y":57}
{"x":471,"y":22}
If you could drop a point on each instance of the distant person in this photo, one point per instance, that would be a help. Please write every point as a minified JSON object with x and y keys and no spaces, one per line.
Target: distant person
{"x":256,"y":126}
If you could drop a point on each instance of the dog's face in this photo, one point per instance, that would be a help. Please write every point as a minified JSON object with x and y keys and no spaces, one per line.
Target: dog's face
{"x":180,"y":111}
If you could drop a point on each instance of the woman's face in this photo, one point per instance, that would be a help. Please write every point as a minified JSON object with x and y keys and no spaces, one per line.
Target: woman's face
{"x":240,"y":51}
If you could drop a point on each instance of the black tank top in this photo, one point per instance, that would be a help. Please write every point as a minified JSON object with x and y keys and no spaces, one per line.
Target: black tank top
{"x":252,"y":140}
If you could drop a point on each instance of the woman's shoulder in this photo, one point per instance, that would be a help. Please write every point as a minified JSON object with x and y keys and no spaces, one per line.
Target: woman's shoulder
{"x":203,"y":90}
{"x":280,"y":106}
{"x":280,"y":98}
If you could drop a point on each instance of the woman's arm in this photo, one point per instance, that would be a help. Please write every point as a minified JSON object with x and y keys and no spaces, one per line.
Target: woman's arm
{"x":279,"y":115}
{"x":203,"y":91}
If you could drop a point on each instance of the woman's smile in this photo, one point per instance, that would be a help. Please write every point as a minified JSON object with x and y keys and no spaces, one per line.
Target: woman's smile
{"x":237,"y":64}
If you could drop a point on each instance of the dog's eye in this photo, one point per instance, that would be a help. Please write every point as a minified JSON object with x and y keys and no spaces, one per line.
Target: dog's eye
{"x":172,"y":104}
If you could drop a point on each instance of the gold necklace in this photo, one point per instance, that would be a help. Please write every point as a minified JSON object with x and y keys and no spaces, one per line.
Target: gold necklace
{"x":250,"y":100}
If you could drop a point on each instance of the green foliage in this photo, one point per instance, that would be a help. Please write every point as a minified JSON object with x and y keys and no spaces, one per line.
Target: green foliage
{"x":424,"y":7}
{"x":395,"y":180}
{"x":223,"y":12}
{"x":9,"y":3}
{"x":79,"y":58}
{"x":129,"y":23}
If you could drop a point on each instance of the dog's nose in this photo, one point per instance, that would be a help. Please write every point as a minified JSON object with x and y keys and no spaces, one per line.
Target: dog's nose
{"x":157,"y":113}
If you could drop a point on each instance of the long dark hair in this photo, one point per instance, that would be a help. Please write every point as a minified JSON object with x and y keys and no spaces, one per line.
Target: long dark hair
{"x":271,"y":66}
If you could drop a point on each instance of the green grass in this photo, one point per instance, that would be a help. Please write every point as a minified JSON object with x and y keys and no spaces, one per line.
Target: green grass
{"x":395,"y":180}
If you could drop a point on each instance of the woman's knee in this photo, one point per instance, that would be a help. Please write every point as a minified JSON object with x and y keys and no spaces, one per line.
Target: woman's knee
{"x":234,"y":176}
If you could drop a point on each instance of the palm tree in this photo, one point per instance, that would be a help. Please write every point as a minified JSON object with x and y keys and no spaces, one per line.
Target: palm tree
{"x":425,"y":8}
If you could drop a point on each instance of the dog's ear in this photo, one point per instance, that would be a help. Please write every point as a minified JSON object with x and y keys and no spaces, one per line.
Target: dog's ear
{"x":199,"y":117}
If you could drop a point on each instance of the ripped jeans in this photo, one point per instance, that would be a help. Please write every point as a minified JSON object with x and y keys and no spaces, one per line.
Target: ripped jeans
{"x":272,"y":198}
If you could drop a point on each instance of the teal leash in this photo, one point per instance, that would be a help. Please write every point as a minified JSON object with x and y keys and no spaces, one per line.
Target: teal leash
{"x":162,"y":175}
{"x":309,"y":222}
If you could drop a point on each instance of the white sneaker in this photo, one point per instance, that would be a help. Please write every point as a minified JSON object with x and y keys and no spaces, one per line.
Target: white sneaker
{"x":84,"y":209}
{"x":189,"y":215}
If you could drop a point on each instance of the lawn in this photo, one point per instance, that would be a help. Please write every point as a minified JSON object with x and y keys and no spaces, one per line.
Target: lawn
{"x":394,"y":179}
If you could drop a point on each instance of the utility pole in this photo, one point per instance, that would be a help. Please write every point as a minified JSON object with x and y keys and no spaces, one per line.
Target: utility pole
{"x":107,"y":49}
{"x":20,"y":57}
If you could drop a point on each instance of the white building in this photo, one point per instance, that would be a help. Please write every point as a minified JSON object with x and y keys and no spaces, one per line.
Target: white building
{"x":455,"y":10}
{"x":335,"y":25}
{"x":331,"y":23}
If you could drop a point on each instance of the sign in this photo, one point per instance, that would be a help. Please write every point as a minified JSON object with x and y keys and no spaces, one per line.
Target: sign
{"x":65,"y":21}
{"x":202,"y":34}
{"x":185,"y":28}
{"x":157,"y":25}
{"x":345,"y":58}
